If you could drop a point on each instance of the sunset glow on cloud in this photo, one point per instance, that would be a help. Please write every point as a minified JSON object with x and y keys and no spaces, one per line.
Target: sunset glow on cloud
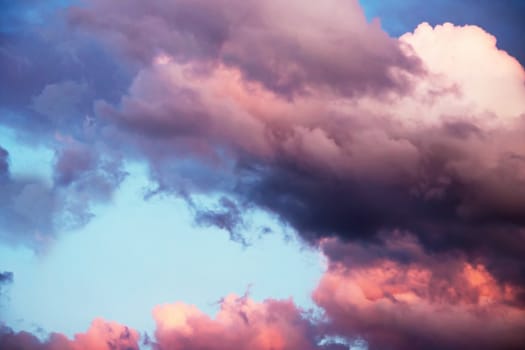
{"x":262,"y":175}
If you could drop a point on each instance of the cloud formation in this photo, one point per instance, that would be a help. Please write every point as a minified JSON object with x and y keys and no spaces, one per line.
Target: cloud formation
{"x":403,"y":159}
{"x":441,"y":158}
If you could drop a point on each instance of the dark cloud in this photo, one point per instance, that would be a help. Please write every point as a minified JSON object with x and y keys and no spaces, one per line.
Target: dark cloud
{"x":448,"y":214}
{"x":4,"y":163}
{"x":227,"y":216}
{"x":6,"y":277}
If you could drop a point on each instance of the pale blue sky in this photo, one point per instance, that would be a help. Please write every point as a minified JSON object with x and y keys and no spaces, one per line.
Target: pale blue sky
{"x":136,"y":254}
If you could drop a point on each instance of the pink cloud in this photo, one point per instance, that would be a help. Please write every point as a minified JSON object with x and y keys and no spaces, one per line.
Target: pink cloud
{"x":102,"y":335}
{"x":240,"y":324}
{"x":432,"y":302}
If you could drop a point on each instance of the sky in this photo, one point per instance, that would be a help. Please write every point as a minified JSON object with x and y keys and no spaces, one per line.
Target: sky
{"x":263,"y":175}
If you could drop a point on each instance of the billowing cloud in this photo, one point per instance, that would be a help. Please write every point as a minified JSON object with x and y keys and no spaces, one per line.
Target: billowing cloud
{"x":442,"y":159}
{"x":402,"y":158}
{"x":396,"y":296}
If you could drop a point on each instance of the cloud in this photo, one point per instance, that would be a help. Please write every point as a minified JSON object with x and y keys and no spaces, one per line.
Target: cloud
{"x":34,"y":211}
{"x":101,"y":335}
{"x":240,"y":324}
{"x":227,"y":216}
{"x":50,"y":76}
{"x":6,"y":277}
{"x":433,"y":302}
